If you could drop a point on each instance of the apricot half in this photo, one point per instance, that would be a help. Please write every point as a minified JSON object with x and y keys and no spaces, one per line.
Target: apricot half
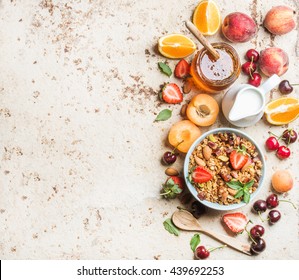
{"x":182,"y":135}
{"x":202,"y":110}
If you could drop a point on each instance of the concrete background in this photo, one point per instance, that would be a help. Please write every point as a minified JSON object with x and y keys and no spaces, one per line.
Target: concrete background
{"x":80,"y":170}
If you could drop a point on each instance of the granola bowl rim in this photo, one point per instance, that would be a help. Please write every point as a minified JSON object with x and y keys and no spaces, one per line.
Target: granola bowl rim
{"x":192,"y":189}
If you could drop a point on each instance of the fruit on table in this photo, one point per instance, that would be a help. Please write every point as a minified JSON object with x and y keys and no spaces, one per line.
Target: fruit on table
{"x":182,"y":69}
{"x":176,"y":46}
{"x":236,"y":222}
{"x":257,"y":231}
{"x":238,"y":27}
{"x":202,"y":110}
{"x":202,"y":253}
{"x":252,"y":55}
{"x":285,"y":87}
{"x":206,"y":17}
{"x":282,"y":110}
{"x":258,"y":246}
{"x":282,"y":181}
{"x":272,"y":201}
{"x":289,"y":136}
{"x":255,"y":80}
{"x":184,"y":132}
{"x":283,"y":152}
{"x":280,"y":20}
{"x":238,"y":158}
{"x":249,"y":67}
{"x":171,"y":93}
{"x":274,"y":216}
{"x":273,"y":61}
{"x":173,"y":186}
{"x":260,"y":206}
{"x":201,"y":175}
{"x":169,"y":158}
{"x":272,"y":143}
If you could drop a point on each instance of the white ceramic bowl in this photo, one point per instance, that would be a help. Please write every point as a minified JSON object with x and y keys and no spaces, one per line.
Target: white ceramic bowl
{"x":193,"y":191}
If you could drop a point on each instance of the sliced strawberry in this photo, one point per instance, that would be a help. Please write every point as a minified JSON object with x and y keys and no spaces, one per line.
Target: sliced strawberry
{"x":182,"y":69}
{"x":236,"y":222}
{"x":201,"y":175}
{"x":238,"y":159}
{"x":172,"y":94}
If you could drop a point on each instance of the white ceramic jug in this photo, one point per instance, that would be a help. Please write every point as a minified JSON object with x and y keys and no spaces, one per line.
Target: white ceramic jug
{"x":243,"y":105}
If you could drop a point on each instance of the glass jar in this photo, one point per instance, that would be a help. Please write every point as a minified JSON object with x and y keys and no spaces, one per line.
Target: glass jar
{"x":215,"y":75}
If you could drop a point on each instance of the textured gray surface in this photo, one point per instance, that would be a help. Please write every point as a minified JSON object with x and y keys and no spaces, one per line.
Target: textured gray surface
{"x":80,"y":168}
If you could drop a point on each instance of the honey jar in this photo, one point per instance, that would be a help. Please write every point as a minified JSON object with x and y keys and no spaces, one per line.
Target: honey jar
{"x":214,"y":75}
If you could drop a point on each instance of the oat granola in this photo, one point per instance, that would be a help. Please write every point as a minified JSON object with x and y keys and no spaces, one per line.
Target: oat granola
{"x":213,"y":155}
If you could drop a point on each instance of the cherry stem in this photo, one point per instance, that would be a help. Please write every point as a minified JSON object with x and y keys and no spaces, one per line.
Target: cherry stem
{"x":294,"y":84}
{"x":182,"y":208}
{"x":259,"y":213}
{"x":249,"y":232}
{"x":213,"y":249}
{"x":278,"y":138}
{"x":282,"y":200}
{"x":177,"y":146}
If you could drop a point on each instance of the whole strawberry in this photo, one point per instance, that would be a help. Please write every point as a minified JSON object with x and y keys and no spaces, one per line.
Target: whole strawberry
{"x":173,"y":186}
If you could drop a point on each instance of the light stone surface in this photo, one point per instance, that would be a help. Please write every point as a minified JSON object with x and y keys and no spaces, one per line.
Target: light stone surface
{"x":80,"y":169}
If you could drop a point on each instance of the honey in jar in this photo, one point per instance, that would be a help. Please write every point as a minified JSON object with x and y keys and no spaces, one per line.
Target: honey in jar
{"x":214,"y":75}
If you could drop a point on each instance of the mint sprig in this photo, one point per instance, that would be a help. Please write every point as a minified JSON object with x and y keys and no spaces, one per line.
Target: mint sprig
{"x":195,"y":240}
{"x":170,"y":227}
{"x":242,"y":189}
{"x":164,"y":115}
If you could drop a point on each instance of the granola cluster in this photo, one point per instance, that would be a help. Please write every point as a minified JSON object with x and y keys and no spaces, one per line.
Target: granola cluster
{"x":213,"y":154}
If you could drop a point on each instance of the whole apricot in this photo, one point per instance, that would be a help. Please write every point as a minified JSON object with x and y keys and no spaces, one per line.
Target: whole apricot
{"x":273,"y":61}
{"x":238,"y":27}
{"x":280,"y":20}
{"x":282,"y":181}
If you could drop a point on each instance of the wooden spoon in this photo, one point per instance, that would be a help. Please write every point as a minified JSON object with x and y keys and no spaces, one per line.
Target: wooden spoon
{"x":202,"y":39}
{"x":184,"y":220}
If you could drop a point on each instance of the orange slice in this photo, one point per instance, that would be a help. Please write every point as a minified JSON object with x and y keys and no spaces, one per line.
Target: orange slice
{"x":282,"y":110}
{"x":176,"y":46}
{"x":206,"y":17}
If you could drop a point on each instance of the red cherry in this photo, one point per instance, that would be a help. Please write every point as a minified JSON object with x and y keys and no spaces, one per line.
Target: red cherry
{"x":283,"y":152}
{"x":255,"y":80}
{"x":252,"y":55}
{"x":201,"y":252}
{"x":248,"y":68}
{"x":272,"y":143}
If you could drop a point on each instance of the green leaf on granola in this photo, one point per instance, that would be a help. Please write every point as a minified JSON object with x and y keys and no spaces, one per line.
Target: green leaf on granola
{"x":239,"y":193}
{"x":249,"y":184}
{"x":235,"y":184}
{"x":170,"y":227}
{"x":164,"y":115}
{"x":195,"y":240}
{"x":165,"y":68}
{"x":246,"y":197}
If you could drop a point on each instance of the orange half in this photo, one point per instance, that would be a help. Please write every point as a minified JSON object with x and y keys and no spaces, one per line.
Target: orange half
{"x":282,"y":110}
{"x":206,"y":17}
{"x":176,"y":46}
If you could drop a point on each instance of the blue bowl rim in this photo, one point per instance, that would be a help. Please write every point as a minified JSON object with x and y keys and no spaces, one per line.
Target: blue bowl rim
{"x":191,"y":188}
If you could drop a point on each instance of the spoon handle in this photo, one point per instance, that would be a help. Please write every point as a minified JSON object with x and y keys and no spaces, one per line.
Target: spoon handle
{"x":229,"y":241}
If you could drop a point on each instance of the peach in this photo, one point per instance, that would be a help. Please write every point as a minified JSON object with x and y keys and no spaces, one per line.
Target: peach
{"x":280,"y":20}
{"x":273,"y":61}
{"x":182,"y":135}
{"x":202,"y":110}
{"x":282,"y":181}
{"x":238,"y":27}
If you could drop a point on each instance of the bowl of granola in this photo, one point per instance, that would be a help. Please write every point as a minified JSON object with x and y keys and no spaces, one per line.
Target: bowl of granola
{"x":224,"y":169}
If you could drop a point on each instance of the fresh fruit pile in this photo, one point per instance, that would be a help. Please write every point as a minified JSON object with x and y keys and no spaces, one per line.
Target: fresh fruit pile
{"x":289,"y":136}
{"x":202,"y":111}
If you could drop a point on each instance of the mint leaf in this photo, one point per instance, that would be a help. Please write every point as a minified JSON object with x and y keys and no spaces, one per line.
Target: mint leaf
{"x":235,"y":184}
{"x":249,"y":184}
{"x":164,"y":115}
{"x":246,"y":197}
{"x":239,"y":193}
{"x":195,"y":240}
{"x":165,"y":68}
{"x":170,"y":227}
